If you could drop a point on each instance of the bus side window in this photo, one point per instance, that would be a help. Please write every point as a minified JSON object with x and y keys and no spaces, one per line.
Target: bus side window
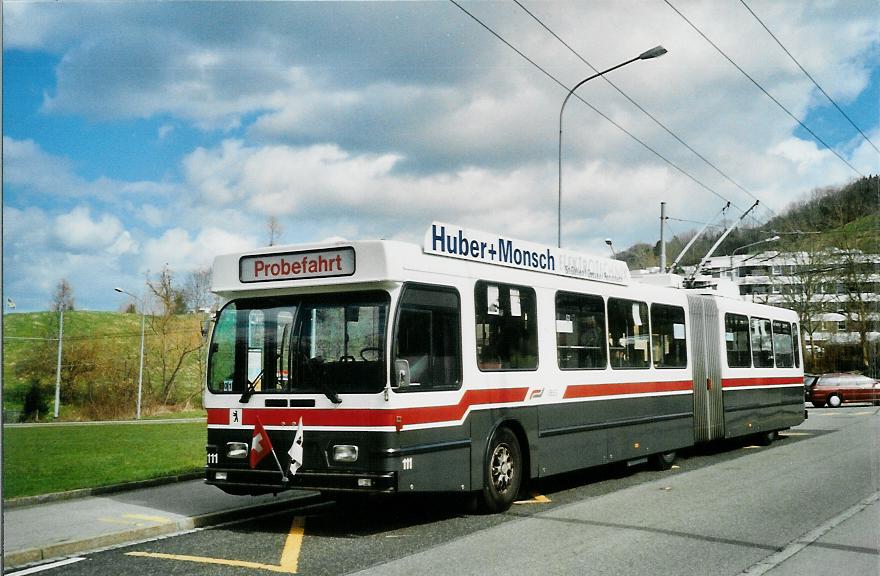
{"x":782,"y":344}
{"x":736,"y":337}
{"x":628,"y":333}
{"x":762,"y":343}
{"x":506,"y":327}
{"x":580,"y":331}
{"x":796,"y":343}
{"x":428,"y":337}
{"x":668,"y":336}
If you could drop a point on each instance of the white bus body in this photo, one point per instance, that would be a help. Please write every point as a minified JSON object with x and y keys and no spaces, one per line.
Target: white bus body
{"x":448,"y":367}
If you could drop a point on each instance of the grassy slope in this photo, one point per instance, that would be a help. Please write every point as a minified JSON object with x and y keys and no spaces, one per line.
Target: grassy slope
{"x":108,"y":329}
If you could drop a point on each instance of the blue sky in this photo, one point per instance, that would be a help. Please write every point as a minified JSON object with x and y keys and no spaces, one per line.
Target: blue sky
{"x":139,"y":135}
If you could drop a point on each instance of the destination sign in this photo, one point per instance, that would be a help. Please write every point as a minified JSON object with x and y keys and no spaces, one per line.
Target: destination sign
{"x":297,"y":265}
{"x":456,"y":242}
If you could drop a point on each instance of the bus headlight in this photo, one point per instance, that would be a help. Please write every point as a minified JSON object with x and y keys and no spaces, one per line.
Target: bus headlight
{"x":345,"y":453}
{"x":236,"y":450}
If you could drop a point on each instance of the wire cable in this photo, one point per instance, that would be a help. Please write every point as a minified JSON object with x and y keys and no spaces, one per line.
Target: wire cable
{"x":596,"y":110}
{"x":642,"y":109}
{"x":762,"y":89}
{"x":808,"y":75}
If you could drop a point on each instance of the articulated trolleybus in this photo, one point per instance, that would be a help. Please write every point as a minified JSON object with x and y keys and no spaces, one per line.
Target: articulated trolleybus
{"x":475,"y":363}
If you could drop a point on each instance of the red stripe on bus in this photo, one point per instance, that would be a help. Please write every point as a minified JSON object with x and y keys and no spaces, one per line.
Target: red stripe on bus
{"x":622,"y":389}
{"x":778,"y":381}
{"x":373,"y":417}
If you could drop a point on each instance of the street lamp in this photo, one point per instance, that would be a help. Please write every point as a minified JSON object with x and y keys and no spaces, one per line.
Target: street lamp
{"x":652,"y":53}
{"x":732,"y":254}
{"x":141,"y":369}
{"x":610,"y":245}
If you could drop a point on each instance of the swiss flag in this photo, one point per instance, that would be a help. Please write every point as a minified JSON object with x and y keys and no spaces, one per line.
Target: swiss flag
{"x":260,"y":444}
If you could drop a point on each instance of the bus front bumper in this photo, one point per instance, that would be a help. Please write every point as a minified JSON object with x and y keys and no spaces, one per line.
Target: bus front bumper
{"x":237,"y":480}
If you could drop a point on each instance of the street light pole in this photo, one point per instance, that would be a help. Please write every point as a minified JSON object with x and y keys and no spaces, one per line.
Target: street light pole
{"x":141,"y":369}
{"x":652,"y":53}
{"x":732,"y":254}
{"x":58,"y":365}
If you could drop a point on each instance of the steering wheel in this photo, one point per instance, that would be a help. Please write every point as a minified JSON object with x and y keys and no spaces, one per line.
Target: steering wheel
{"x":370,"y":349}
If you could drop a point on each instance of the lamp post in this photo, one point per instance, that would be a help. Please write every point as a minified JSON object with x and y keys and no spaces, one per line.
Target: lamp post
{"x":611,"y":246}
{"x":58,"y":365}
{"x":652,"y":53}
{"x":141,"y":369}
{"x":732,"y":254}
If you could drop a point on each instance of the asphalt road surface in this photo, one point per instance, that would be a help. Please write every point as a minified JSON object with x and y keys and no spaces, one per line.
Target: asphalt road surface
{"x":807,"y":505}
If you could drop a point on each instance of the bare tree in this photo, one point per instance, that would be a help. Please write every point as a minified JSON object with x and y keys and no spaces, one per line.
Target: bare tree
{"x":804,"y":289}
{"x":175,"y":342}
{"x":275,"y":230}
{"x":197,"y":289}
{"x":62,"y":299}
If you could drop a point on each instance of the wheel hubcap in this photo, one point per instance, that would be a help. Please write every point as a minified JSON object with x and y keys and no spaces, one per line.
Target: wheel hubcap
{"x":502,"y":468}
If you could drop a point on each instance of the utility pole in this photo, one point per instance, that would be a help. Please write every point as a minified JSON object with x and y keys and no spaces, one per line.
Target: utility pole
{"x":58,"y":366}
{"x":662,"y":240}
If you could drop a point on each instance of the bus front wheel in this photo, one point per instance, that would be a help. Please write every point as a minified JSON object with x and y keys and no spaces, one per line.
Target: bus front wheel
{"x":503,"y":469}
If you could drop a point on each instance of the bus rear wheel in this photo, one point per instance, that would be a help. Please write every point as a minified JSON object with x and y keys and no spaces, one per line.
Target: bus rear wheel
{"x":663,"y":460}
{"x":502,"y":471}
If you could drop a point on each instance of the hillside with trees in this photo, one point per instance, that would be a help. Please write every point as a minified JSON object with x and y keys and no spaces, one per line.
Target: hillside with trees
{"x":845,"y":217}
{"x":100,"y":365}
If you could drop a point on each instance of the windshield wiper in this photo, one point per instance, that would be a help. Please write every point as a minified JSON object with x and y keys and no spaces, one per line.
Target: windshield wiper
{"x":251,"y":387}
{"x":314,"y":364}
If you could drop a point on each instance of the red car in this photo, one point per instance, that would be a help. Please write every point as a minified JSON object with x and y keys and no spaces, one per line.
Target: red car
{"x":835,"y":389}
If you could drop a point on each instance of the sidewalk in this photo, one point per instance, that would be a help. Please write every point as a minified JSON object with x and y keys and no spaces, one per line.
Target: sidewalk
{"x":66,"y":527}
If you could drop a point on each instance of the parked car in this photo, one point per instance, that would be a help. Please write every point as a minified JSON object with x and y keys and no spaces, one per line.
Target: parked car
{"x":809,"y":380}
{"x":835,"y":389}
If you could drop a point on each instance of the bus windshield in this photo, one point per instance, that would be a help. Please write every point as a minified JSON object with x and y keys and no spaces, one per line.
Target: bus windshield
{"x":328,"y":344}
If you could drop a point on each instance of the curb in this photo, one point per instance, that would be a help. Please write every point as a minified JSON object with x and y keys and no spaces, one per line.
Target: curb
{"x":19,"y":558}
{"x":111,"y":489}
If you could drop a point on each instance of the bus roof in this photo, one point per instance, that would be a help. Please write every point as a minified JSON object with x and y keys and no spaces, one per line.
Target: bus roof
{"x":447,"y":249}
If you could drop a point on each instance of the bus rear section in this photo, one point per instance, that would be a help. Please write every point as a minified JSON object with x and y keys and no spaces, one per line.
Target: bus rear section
{"x":747,"y":371}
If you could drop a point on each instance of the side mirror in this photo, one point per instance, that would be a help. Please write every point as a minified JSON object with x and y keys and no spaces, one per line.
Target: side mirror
{"x":401,"y":369}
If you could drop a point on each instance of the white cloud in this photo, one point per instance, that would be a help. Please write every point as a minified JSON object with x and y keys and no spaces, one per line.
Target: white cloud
{"x":78,"y":233}
{"x":182,"y":252}
{"x":27,"y":165}
{"x":418,"y":115}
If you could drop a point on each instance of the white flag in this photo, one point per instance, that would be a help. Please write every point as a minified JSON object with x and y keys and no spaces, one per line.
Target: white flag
{"x":296,"y":449}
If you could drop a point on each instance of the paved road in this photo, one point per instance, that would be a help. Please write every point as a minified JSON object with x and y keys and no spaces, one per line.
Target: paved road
{"x":808,"y":505}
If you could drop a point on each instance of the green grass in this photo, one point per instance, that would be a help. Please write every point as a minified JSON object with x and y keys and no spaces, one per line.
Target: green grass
{"x":45,"y":459}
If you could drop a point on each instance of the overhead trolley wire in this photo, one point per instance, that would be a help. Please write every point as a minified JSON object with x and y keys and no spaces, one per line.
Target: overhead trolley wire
{"x":596,"y":110}
{"x":764,"y":90}
{"x":642,"y":109}
{"x":808,"y":75}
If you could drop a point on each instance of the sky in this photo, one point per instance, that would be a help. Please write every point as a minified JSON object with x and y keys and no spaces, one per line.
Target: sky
{"x":150,"y":134}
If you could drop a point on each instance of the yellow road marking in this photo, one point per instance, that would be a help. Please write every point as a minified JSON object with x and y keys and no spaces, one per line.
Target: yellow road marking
{"x":536,"y":499}
{"x":137,"y":519}
{"x":159,"y":519}
{"x":289,"y":556}
{"x":106,"y":520}
{"x":204,"y":560}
